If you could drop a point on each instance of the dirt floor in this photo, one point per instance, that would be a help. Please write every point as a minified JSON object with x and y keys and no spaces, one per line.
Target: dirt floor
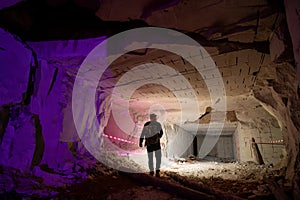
{"x":114,"y":187}
{"x":184,"y":179}
{"x":246,"y":180}
{"x":221,"y":180}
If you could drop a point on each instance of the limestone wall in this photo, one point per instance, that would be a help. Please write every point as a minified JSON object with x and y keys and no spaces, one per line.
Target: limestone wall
{"x":38,"y":135}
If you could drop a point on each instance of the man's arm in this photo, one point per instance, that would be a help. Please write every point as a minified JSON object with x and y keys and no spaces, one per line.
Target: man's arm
{"x":161,"y":131}
{"x":142,"y":137}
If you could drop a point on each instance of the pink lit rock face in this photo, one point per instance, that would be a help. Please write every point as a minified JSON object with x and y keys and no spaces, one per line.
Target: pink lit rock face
{"x":39,"y":137}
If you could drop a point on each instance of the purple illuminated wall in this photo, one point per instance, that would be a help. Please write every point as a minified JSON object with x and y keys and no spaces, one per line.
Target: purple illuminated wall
{"x":38,"y":135}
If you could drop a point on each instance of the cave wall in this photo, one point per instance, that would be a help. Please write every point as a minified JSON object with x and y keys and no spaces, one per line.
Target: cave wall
{"x":292,"y":8}
{"x":35,"y":105}
{"x":13,"y":85}
{"x":179,"y":142}
{"x":5,"y":4}
{"x":279,"y":97}
{"x":256,"y":122}
{"x":38,"y":136}
{"x":18,"y":123}
{"x":276,"y":87}
{"x":52,"y":100}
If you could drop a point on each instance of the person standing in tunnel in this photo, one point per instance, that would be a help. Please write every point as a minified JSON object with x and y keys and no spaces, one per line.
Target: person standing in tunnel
{"x":152,"y":132}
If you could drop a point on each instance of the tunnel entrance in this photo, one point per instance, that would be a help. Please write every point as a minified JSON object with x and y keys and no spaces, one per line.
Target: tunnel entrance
{"x":224,"y":150}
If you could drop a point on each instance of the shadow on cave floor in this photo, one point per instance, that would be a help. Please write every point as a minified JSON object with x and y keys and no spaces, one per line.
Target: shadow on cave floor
{"x":210,"y":180}
{"x":185,"y":179}
{"x":116,"y":186}
{"x":213,"y":181}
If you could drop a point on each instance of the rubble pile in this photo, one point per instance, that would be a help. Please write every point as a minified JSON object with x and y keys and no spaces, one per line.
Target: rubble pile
{"x":246,"y":180}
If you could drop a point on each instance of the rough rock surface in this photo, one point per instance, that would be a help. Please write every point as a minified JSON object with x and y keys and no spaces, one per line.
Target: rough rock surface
{"x":33,"y":140}
{"x":246,"y":180}
{"x":14,"y":85}
{"x":38,"y":140}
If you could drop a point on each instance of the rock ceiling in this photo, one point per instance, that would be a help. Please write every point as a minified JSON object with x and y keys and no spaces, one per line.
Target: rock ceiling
{"x":236,"y":36}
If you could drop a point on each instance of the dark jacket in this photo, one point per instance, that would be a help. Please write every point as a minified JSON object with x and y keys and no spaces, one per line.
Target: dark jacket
{"x":152,"y":132}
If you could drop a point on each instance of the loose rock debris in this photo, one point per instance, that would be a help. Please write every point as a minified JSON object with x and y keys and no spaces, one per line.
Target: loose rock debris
{"x":245,"y":180}
{"x":218,"y":180}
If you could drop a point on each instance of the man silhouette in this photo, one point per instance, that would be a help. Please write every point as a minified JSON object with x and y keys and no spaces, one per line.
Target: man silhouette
{"x":152,"y":132}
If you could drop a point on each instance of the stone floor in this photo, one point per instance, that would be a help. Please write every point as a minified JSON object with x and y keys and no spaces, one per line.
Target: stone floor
{"x":217,"y":180}
{"x":246,"y":180}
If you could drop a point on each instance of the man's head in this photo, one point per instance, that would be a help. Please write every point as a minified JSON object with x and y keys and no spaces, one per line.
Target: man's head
{"x":153,"y":117}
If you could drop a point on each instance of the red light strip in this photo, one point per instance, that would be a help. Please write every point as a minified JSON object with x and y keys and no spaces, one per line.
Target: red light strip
{"x":279,"y":142}
{"x":119,"y":139}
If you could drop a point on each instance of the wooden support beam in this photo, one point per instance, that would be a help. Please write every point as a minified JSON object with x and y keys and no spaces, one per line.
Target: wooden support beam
{"x":257,"y":154}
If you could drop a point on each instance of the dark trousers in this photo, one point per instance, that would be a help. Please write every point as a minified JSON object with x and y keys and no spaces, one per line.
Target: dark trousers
{"x":158,"y":159}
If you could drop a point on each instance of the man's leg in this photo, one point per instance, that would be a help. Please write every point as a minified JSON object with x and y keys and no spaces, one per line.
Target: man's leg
{"x":158,"y":161}
{"x":150,"y":162}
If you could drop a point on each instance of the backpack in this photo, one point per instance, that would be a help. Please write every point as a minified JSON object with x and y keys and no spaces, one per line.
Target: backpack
{"x":152,"y":133}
